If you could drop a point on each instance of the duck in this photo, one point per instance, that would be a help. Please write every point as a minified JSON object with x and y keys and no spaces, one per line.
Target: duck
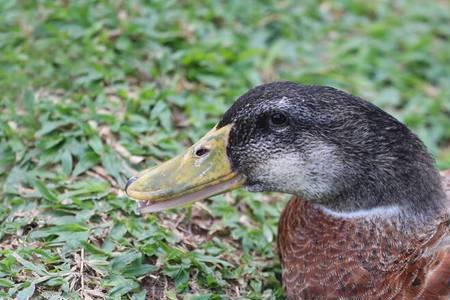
{"x":369,"y":213}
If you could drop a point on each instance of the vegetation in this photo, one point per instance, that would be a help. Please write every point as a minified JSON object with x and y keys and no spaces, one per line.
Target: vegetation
{"x":93,"y":91}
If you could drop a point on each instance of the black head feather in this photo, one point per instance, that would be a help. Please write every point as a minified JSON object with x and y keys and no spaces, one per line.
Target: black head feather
{"x":329,"y":147}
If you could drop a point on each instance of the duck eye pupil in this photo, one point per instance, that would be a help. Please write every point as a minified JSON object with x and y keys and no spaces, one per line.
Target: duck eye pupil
{"x":201,"y":152}
{"x":278,"y":119}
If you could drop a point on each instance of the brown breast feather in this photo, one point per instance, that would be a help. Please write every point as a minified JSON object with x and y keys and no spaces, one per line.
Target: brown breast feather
{"x":326,"y":257}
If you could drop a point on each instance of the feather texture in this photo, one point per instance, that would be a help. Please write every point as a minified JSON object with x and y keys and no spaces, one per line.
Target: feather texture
{"x":377,"y":257}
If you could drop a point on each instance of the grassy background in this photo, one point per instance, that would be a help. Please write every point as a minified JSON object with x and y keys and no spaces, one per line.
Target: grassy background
{"x":92,"y":91}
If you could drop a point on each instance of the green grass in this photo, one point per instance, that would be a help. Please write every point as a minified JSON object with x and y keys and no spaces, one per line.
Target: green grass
{"x":92,"y":91}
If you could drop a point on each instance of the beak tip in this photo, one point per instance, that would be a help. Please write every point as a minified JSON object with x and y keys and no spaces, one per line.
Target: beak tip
{"x":129,"y":182}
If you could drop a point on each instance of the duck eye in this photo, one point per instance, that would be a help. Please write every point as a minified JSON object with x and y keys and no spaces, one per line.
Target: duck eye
{"x":278,"y":119}
{"x":201,"y":152}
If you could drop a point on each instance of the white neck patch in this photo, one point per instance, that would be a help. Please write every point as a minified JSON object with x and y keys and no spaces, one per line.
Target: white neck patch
{"x":377,"y":212}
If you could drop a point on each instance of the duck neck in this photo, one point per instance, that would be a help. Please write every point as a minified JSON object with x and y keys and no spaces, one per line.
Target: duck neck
{"x":415,"y":191}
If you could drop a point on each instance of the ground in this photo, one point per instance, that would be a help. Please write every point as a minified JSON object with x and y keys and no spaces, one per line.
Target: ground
{"x":93,"y":91}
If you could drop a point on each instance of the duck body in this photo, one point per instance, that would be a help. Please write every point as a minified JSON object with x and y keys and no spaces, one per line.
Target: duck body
{"x":368,"y":257}
{"x":369,"y":217}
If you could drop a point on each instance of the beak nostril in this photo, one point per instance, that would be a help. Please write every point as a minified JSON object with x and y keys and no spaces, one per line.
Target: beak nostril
{"x":130,"y":181}
{"x":201,"y":152}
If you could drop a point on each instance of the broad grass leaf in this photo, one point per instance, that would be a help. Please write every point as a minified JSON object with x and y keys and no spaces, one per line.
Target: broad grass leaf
{"x":120,"y":262}
{"x":137,"y":269}
{"x":50,"y":126}
{"x":94,"y":250}
{"x":64,"y":230}
{"x":26,"y":293}
{"x":6,"y":282}
{"x":139,"y":296}
{"x":120,"y":285}
{"x":96,"y":144}
{"x":49,"y":141}
{"x":38,"y":269}
{"x":112,"y":163}
{"x":29,"y":102}
{"x":45,"y":191}
{"x":87,"y":161}
{"x":7,"y":158}
{"x":67,"y":162}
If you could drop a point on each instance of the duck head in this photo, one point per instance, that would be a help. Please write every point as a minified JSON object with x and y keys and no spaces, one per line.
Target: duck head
{"x":318,"y":143}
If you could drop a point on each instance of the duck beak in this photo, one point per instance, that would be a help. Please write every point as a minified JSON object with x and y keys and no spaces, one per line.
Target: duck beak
{"x":202,"y":171}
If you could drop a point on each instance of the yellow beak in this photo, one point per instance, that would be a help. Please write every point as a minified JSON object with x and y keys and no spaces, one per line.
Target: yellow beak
{"x":202,"y":171}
